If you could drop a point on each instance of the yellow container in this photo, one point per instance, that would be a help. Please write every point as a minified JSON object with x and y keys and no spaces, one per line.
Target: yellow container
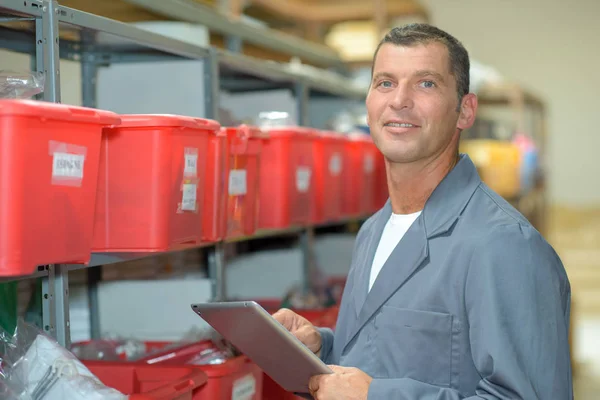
{"x":498,"y":163}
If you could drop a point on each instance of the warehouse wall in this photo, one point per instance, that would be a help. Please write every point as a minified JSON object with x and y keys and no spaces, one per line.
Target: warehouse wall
{"x":552,"y":47}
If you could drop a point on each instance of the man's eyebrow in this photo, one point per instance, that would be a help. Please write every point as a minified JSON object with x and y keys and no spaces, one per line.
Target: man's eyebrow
{"x":382,"y":75}
{"x":425,"y":73}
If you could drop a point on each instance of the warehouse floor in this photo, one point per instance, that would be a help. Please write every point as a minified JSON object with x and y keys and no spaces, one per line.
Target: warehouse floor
{"x":575,"y":234}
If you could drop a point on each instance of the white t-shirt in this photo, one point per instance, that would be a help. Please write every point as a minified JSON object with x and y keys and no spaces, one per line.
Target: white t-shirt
{"x":394,"y":230}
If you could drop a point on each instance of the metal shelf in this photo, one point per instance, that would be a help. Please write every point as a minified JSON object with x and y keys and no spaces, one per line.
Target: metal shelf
{"x":118,"y":37}
{"x":20,"y":8}
{"x":239,"y":73}
{"x":190,"y":11}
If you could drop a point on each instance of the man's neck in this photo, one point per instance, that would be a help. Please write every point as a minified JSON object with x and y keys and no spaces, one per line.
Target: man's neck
{"x":410,"y":185}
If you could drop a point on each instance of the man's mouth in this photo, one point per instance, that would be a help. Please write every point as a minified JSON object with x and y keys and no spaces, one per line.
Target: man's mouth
{"x":401,"y":125}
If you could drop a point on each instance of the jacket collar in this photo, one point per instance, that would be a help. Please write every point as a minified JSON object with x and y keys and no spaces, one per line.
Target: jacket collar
{"x":450,"y":197}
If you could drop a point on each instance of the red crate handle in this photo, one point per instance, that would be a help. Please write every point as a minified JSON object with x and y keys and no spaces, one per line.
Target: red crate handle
{"x":173,"y":390}
{"x":208,"y":123}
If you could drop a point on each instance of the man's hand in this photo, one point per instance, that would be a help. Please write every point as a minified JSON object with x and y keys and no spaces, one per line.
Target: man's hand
{"x":343,"y":384}
{"x":301,"y":328}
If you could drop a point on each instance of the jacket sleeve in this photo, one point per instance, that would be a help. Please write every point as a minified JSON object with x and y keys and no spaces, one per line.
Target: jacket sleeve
{"x":326,"y":344}
{"x":517,"y":298}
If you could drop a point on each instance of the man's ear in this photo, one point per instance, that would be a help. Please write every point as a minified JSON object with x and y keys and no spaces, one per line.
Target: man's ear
{"x":468,"y":111}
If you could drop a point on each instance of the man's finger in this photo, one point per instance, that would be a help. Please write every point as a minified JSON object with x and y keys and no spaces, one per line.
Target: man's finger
{"x":338,"y":370}
{"x":285,"y":317}
{"x":313,"y":384}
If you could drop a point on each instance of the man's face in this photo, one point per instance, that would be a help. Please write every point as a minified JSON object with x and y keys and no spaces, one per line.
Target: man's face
{"x":412,"y":103}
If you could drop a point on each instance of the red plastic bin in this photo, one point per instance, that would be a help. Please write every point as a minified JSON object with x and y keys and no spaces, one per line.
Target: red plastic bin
{"x":236,"y":378}
{"x":145,"y":382}
{"x":329,"y":177}
{"x":244,"y":145}
{"x":150,"y":186}
{"x":286,"y":178}
{"x":214,"y":223}
{"x":381,"y":188}
{"x":49,"y":156}
{"x":361,"y":179}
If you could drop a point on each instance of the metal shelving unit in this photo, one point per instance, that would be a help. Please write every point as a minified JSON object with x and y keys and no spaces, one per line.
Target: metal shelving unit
{"x":49,"y":32}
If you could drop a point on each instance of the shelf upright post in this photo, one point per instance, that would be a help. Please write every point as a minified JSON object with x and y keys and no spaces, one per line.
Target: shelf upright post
{"x":89,"y":70}
{"x":216,"y":272}
{"x":211,"y":84}
{"x":307,"y":234}
{"x":47,"y":50}
{"x":301,"y":92}
{"x":216,"y":258}
{"x":48,"y":302}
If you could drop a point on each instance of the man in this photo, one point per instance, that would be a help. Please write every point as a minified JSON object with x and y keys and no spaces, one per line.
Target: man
{"x":451,"y":294}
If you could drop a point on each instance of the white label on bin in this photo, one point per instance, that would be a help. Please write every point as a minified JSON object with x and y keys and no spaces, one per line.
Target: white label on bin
{"x":303,"y":179}
{"x":69,"y":166}
{"x":188,"y":203}
{"x":244,"y":388}
{"x":191,"y":165}
{"x":335,"y":164}
{"x":369,"y":163}
{"x":237,"y":182}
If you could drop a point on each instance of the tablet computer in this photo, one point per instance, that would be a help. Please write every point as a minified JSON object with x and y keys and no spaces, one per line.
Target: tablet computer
{"x":265,"y":341}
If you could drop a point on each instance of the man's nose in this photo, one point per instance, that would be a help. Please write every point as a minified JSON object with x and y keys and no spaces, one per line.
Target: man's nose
{"x":402,"y":97}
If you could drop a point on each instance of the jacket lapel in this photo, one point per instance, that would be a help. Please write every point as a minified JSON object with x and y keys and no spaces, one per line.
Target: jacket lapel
{"x":407,"y":256}
{"x":365,"y":256}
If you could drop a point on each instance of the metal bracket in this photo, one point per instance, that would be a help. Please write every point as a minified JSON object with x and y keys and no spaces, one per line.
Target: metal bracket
{"x":216,"y":264}
{"x":48,"y":301}
{"x":307,"y":238}
{"x":61,"y":302}
{"x":211,"y":84}
{"x":47,"y":49}
{"x":301,"y":92}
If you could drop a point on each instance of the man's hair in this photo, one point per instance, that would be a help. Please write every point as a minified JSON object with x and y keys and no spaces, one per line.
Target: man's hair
{"x":423,"y":34}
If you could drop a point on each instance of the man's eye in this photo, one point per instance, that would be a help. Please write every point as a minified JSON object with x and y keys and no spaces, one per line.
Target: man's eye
{"x":385,"y":84}
{"x":427,"y":84}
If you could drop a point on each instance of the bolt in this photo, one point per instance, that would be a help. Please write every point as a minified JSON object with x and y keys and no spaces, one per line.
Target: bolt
{"x":47,"y":328}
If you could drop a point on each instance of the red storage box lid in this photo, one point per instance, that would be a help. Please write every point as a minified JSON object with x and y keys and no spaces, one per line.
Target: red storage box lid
{"x":245,"y":132}
{"x":328,"y":135}
{"x":291,"y":131}
{"x":167,"y":120}
{"x":359,"y":137}
{"x":55,"y":111}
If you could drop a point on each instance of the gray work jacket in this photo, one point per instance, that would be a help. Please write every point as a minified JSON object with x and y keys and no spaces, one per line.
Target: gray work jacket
{"x":472,"y":303}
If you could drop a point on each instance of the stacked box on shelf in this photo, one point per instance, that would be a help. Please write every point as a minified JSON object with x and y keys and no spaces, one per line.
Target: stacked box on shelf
{"x":150,"y":186}
{"x":286,"y":178}
{"x":49,"y":159}
{"x":144,"y":382}
{"x":214,"y":223}
{"x":329,"y":172}
{"x":361,"y":179}
{"x":231,"y":199}
{"x":244,"y":145}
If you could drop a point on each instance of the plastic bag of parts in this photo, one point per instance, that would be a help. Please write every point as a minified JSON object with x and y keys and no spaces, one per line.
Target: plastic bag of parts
{"x":109,"y":349}
{"x":36,"y":367}
{"x":20,"y":85}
